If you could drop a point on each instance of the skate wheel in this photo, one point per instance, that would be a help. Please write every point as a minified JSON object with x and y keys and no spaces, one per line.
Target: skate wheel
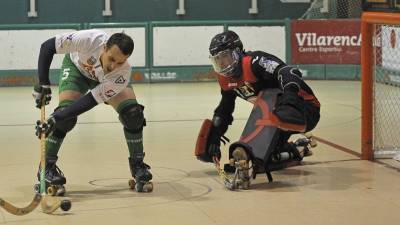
{"x":144,"y":187}
{"x":132,"y":184}
{"x":308,"y":135}
{"x":65,"y":205}
{"x":148,"y":187}
{"x":243,"y":164}
{"x":308,"y":153}
{"x":52,"y":190}
{"x":60,"y":191}
{"x":313,"y":143}
{"x":246,"y":185}
{"x":36,"y":188}
{"x":239,"y":154}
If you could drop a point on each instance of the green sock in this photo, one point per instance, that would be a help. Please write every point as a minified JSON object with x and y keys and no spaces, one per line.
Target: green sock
{"x":134,"y":141}
{"x":53,"y":145}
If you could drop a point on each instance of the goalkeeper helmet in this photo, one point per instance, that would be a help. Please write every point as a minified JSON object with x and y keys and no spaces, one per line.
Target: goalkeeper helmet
{"x":226,"y":51}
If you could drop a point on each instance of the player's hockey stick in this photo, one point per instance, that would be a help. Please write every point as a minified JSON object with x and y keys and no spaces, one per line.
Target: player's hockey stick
{"x":229,"y":183}
{"x":21,"y":211}
{"x":49,"y":204}
{"x":38,"y":197}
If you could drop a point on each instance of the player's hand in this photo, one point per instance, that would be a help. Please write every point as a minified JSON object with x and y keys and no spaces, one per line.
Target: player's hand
{"x":214,"y":148}
{"x":41,"y":94}
{"x":46,"y":128}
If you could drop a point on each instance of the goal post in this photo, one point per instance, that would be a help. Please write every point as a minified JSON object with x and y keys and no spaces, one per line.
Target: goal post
{"x":380,"y":99}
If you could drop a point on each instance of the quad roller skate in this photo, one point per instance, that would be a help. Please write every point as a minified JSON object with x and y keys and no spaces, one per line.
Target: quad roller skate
{"x":140,"y":173}
{"x":305,"y":144}
{"x":241,"y":161}
{"x":296,"y":150}
{"x":54,"y":178}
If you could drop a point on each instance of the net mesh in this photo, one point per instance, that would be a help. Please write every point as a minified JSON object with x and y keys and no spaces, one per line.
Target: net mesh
{"x":333,"y":9}
{"x":386,"y":124}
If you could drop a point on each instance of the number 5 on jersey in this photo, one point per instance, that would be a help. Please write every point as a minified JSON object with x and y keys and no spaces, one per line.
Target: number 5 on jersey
{"x":65,"y":73}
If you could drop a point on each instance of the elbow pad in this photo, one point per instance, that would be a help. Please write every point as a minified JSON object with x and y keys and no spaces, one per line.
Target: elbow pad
{"x":290,"y":78}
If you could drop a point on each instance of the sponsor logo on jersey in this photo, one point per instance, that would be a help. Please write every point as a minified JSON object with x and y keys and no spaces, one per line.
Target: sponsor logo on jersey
{"x":65,"y":41}
{"x":69,"y":37}
{"x":247,"y":92}
{"x":254,"y":60}
{"x":120,"y":80}
{"x":269,"y":65}
{"x":92,"y":60}
{"x":110,"y":93}
{"x":102,"y":96}
{"x":89,"y":69}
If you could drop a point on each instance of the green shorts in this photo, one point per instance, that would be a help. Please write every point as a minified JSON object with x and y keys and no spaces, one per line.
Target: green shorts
{"x":72,"y":79}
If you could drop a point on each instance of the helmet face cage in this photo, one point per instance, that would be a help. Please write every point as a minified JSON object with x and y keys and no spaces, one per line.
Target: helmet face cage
{"x":226,"y":62}
{"x":226,"y":50}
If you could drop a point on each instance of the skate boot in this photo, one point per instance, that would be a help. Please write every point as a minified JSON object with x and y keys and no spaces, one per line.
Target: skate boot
{"x":140,"y":173}
{"x":305,"y":144}
{"x":54,"y":178}
{"x":296,"y":150}
{"x":241,"y":162}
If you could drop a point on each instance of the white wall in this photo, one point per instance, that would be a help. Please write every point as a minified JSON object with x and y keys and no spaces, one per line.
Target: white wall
{"x":20,"y":48}
{"x":186,"y":45}
{"x":267,"y":39}
{"x":138,"y":57}
{"x":173,"y":46}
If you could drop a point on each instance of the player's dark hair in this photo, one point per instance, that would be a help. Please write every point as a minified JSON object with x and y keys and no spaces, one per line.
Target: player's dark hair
{"x":123,"y":41}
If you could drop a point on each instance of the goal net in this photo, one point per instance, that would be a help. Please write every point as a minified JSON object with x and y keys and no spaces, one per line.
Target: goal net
{"x":333,"y":9}
{"x":381,"y":77}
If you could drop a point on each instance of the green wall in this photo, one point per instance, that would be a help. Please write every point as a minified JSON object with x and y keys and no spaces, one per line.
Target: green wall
{"x":90,"y":11}
{"x":151,"y":73}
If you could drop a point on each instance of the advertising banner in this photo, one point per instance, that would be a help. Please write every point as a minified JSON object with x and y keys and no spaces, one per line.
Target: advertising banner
{"x":326,"y":41}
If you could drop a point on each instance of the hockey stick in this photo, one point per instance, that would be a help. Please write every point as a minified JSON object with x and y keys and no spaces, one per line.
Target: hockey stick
{"x":21,"y":211}
{"x":48,"y":204}
{"x":228,"y":182}
{"x":38,"y":197}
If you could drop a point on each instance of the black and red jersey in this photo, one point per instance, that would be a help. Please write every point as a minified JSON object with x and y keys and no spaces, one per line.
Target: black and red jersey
{"x":260,"y":71}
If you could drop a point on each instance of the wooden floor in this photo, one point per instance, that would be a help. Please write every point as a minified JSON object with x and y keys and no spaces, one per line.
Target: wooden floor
{"x":331,"y":187}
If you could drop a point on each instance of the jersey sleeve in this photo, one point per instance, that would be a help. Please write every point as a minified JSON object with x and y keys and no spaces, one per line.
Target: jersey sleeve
{"x":111,"y":86}
{"x":226,"y":106}
{"x":79,"y":41}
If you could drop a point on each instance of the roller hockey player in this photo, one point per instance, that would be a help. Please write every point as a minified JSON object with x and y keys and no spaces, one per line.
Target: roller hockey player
{"x":94,"y":70}
{"x":283,"y":105}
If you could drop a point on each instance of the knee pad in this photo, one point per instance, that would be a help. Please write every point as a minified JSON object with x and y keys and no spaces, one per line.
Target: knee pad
{"x":132,"y":118}
{"x":64,"y":126}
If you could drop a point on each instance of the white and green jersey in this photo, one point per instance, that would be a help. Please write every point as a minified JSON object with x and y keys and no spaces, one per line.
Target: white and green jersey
{"x":85,"y":47}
